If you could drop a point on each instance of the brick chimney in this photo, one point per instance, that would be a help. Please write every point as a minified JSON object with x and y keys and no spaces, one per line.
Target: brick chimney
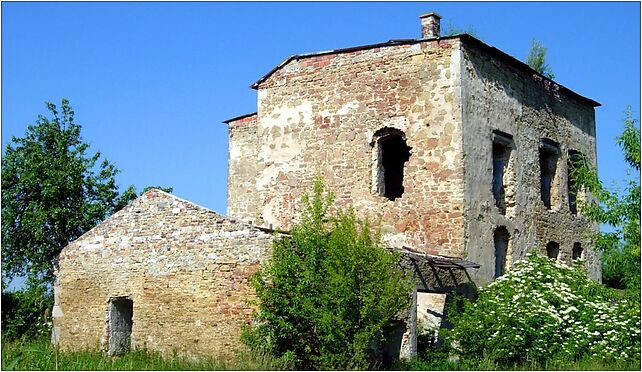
{"x":430,"y":27}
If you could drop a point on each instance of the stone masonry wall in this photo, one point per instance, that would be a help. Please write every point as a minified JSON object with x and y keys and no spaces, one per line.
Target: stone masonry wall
{"x":184,"y":267}
{"x":499,"y":97}
{"x":317,"y":116}
{"x":243,"y":169}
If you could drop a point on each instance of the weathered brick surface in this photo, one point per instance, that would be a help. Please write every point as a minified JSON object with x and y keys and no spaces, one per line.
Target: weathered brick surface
{"x":186,"y":269}
{"x":317,"y":116}
{"x":242,"y":168}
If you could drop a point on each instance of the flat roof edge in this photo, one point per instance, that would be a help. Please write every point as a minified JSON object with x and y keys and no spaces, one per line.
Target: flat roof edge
{"x":239,"y":117}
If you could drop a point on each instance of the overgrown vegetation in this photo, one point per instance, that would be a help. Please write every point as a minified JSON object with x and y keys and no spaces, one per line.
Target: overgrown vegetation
{"x":328,"y":292}
{"x":452,"y":30}
{"x":620,"y":210}
{"x":24,"y":312}
{"x":589,"y":363}
{"x":38,"y":354}
{"x":543,"y":309}
{"x":536,"y":59}
{"x":542,"y":314}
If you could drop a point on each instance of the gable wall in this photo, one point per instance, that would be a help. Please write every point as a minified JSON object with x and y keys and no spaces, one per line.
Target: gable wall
{"x":185,"y":268}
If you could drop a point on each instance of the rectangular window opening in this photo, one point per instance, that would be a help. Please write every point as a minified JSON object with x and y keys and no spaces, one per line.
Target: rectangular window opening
{"x":549,"y":152}
{"x":574,"y":159}
{"x":553,"y":250}
{"x":392,"y":152}
{"x":501,"y":238}
{"x":502,"y":145}
{"x":577,"y":251}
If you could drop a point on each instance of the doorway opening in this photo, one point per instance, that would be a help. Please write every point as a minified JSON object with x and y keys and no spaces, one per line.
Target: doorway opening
{"x":121,"y":311}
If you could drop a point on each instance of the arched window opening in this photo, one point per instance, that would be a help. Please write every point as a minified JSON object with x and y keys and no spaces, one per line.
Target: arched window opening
{"x":578,"y":251}
{"x":501,"y":238}
{"x":392,"y":154}
{"x":553,"y":250}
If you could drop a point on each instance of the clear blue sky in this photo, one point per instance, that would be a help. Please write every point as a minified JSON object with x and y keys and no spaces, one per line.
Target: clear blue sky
{"x":152,"y":82}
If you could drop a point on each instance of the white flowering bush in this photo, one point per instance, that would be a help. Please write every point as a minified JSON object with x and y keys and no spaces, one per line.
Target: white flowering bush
{"x":542,"y":309}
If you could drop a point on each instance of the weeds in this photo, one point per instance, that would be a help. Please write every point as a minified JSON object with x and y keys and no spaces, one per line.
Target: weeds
{"x":40,"y":355}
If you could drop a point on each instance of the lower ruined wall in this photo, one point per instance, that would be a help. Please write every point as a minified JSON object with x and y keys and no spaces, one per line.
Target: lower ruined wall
{"x":185,"y":268}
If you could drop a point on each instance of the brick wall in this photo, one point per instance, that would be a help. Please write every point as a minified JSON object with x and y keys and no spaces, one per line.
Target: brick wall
{"x":184,"y":267}
{"x":317,"y":116}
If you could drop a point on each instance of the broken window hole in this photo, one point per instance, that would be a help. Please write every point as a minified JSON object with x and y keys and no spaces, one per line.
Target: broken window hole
{"x":553,"y":250}
{"x":502,"y":146}
{"x":577,"y":251}
{"x":549,"y":152}
{"x":574,"y":161}
{"x":501,"y":238}
{"x":392,"y":153}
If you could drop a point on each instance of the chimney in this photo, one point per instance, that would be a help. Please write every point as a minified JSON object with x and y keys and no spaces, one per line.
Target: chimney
{"x":430,"y":25}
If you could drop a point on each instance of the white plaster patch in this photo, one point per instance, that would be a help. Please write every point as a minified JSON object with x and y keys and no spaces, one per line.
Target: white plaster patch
{"x":345,"y":109}
{"x":398,"y":122}
{"x":262,"y":94}
{"x":234,"y":151}
{"x":270,"y":212}
{"x":395,"y":239}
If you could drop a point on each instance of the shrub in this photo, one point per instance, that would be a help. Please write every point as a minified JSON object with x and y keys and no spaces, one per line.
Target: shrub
{"x":23,"y":312}
{"x":328,"y":291}
{"x":544,"y":309}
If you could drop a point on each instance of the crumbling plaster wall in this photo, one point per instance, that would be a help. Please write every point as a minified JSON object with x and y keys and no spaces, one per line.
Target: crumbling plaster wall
{"x":497,"y":96}
{"x":317,"y":116}
{"x":242,"y":170}
{"x":184,"y":267}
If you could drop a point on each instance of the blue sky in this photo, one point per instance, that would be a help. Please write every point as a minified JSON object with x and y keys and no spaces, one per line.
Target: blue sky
{"x":151,"y":82}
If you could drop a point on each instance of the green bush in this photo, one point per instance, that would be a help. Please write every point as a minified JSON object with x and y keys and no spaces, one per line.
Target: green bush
{"x":23,"y":312}
{"x":544,"y":309}
{"x":328,"y":292}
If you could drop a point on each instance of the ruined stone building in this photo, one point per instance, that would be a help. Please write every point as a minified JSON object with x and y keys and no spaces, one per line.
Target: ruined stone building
{"x":460,"y":150}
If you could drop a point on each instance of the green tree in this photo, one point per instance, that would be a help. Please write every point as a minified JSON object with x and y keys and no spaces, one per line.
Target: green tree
{"x":620,"y":210}
{"x":53,"y":191}
{"x":536,"y":59}
{"x":328,"y":291}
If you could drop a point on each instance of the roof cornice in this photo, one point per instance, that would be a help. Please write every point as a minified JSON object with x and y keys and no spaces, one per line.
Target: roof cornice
{"x":464,"y":37}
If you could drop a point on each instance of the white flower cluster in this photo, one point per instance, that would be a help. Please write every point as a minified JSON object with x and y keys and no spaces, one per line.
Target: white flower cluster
{"x":543,"y":307}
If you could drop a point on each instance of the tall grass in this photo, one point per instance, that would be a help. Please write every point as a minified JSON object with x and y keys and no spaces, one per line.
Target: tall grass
{"x":553,"y":364}
{"x":40,"y":355}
